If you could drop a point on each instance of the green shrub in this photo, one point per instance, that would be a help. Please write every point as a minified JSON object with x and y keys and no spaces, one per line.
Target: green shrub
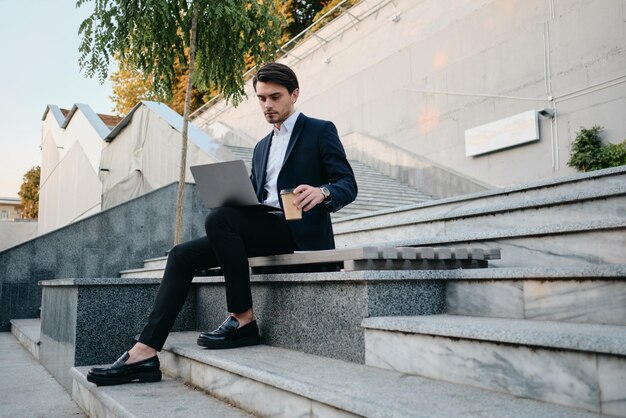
{"x":589,"y":153}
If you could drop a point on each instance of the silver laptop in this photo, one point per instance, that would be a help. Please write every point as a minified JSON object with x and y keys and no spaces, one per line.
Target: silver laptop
{"x":226,"y":184}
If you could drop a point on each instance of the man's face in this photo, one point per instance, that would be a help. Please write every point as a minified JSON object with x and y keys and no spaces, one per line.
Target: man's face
{"x":276,"y":102}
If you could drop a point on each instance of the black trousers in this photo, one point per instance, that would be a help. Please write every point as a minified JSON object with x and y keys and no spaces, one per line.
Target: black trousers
{"x":232,"y":235}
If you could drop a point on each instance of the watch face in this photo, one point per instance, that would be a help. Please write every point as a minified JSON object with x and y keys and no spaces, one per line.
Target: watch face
{"x":325,"y":192}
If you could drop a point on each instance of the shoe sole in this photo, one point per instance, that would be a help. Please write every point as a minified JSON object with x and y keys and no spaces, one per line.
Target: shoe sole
{"x":144,"y":377}
{"x":225,"y":344}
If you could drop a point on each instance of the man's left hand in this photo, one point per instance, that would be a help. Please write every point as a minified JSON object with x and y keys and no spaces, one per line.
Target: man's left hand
{"x":307,"y":197}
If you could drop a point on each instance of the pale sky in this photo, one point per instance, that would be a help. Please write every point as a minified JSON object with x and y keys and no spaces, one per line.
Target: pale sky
{"x":39,"y":53}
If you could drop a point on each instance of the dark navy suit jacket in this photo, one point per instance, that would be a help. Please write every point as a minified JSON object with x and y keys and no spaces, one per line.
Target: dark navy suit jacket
{"x":315,"y":157}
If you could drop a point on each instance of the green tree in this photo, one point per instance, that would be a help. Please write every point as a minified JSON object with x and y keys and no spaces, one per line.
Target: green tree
{"x":152,"y":35}
{"x":29,"y":193}
{"x":588,"y":153}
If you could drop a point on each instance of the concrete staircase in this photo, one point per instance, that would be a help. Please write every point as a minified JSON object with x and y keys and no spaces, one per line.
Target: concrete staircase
{"x":376,"y":190}
{"x":276,"y":382}
{"x":541,"y":334}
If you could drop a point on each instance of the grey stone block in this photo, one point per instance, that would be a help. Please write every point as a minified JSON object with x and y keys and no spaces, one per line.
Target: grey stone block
{"x":167,"y":398}
{"x":93,"y":321}
{"x":549,"y":361}
{"x":595,"y":338}
{"x":321,"y":315}
{"x":285,"y":383}
{"x":98,"y":246}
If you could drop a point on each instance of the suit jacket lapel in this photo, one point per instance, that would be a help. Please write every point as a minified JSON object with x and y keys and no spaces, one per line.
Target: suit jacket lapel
{"x":265,"y":153}
{"x":295,"y":135}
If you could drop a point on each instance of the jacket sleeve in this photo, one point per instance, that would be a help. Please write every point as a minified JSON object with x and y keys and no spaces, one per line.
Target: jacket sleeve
{"x":341,"y":181}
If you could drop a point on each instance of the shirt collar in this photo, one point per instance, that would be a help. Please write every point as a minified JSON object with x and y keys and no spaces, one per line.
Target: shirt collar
{"x":288,"y":124}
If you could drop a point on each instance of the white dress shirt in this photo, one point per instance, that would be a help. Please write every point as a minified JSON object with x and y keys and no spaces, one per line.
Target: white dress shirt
{"x":278,"y":149}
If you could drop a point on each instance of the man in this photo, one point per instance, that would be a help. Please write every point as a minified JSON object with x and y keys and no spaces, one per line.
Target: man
{"x":301,"y":153}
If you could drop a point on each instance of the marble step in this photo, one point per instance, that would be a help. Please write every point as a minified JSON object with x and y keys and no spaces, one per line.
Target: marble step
{"x":573,"y":228}
{"x":386,"y":202}
{"x":27,"y":332}
{"x":595,"y":295}
{"x":278,"y":382}
{"x":576,"y":365}
{"x":389,"y":193}
{"x":167,"y":398}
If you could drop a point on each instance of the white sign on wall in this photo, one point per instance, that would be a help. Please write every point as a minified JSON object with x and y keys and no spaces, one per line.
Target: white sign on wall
{"x":503,"y":133}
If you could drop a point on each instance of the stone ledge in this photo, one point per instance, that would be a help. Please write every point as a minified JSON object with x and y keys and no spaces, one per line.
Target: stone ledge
{"x":349,"y":387}
{"x":589,"y":272}
{"x":509,"y":205}
{"x":491,"y":193}
{"x":167,"y":398}
{"x":595,"y":338}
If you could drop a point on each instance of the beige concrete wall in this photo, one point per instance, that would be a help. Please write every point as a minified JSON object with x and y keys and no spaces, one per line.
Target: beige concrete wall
{"x":529,"y":54}
{"x":14,"y":233}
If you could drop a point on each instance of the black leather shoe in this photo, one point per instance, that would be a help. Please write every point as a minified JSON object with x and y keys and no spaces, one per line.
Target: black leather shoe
{"x":228,"y":335}
{"x":148,"y":370}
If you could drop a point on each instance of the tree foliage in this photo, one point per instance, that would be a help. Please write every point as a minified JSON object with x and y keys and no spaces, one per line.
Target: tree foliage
{"x":131,"y":85}
{"x":588,"y":153}
{"x":29,"y":193}
{"x":151,"y":36}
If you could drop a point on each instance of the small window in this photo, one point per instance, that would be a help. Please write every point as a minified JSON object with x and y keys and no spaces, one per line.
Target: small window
{"x":4,"y":215}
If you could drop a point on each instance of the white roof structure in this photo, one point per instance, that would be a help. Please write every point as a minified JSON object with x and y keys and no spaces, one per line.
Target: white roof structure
{"x":91,"y":161}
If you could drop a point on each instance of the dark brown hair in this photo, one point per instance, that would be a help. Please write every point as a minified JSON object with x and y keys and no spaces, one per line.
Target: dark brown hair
{"x":277,"y":73}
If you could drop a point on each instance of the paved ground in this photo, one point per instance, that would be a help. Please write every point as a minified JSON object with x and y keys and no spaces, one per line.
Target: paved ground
{"x":27,"y":390}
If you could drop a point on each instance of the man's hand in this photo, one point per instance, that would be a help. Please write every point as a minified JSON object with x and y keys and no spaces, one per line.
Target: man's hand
{"x":307,"y":197}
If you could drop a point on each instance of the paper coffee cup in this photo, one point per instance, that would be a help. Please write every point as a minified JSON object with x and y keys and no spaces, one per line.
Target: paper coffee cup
{"x":291,"y":211}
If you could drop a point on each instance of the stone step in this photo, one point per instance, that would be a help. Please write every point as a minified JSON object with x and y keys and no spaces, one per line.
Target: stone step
{"x":167,"y":398}
{"x":385,"y":202}
{"x":27,"y":332}
{"x":284,"y":383}
{"x":361,"y":258}
{"x":341,"y":301}
{"x":595,"y":295}
{"x":577,"y":365}
{"x":577,"y":221}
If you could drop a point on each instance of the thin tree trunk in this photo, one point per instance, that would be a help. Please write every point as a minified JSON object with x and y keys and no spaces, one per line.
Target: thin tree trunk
{"x":178,"y":234}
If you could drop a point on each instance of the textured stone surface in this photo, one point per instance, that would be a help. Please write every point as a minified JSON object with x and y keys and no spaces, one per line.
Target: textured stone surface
{"x":97,"y":246}
{"x":109,"y":317}
{"x":522,"y":194}
{"x":566,"y":378}
{"x":167,"y":398}
{"x":593,"y":338}
{"x":546,"y":273}
{"x":259,"y":375}
{"x":95,"y":322}
{"x":575,"y":299}
{"x":322,"y":317}
{"x":501,"y":299}
{"x":598,"y":301}
{"x":612,"y":375}
{"x":58,"y":332}
{"x":26,"y":388}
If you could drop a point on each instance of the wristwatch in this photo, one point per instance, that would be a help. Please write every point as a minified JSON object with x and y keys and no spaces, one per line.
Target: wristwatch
{"x":326,"y":193}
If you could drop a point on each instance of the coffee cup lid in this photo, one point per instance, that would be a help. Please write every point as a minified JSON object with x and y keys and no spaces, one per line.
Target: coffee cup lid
{"x":285,"y":191}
